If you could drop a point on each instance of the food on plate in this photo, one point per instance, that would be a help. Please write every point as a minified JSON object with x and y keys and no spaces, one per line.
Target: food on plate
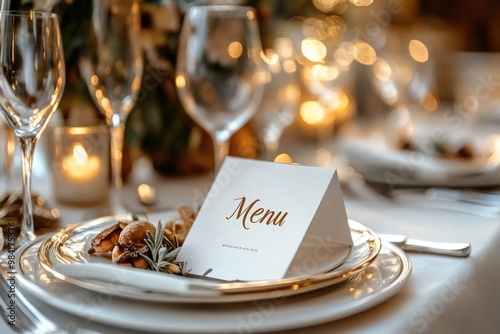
{"x":439,"y":149}
{"x":140,"y":244}
{"x":131,"y":244}
{"x":178,"y":230}
{"x":106,"y":240}
{"x":188,"y":214}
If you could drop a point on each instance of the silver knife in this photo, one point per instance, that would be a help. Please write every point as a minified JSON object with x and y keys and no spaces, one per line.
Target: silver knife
{"x":458,"y":249}
{"x":483,"y":198}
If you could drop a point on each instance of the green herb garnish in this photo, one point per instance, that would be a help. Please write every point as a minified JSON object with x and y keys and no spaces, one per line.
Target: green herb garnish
{"x":162,"y":253}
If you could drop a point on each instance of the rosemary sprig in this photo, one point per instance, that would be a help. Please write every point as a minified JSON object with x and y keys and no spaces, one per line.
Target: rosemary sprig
{"x":163,"y":253}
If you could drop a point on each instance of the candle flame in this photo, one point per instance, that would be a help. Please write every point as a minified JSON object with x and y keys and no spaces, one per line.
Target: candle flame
{"x":80,"y":156}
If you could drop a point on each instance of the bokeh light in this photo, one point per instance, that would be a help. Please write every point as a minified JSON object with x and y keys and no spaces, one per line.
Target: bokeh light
{"x":283,"y":158}
{"x":418,"y":51}
{"x":325,"y":5}
{"x":235,"y":49}
{"x":312,"y":112}
{"x":361,"y":3}
{"x":313,"y":49}
{"x":365,"y":53}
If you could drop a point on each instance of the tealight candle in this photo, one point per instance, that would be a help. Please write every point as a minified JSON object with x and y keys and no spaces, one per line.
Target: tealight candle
{"x":80,"y":162}
{"x":79,"y":166}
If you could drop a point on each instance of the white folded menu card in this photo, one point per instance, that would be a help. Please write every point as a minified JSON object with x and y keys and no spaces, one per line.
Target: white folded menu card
{"x":256,"y":216}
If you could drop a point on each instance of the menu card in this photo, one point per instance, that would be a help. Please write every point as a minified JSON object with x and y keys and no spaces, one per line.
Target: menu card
{"x":256,"y":215}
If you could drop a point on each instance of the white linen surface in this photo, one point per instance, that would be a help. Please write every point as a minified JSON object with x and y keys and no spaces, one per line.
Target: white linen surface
{"x":443,"y":294}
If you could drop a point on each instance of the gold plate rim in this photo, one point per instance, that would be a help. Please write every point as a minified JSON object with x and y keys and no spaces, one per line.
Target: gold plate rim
{"x":230,"y":291}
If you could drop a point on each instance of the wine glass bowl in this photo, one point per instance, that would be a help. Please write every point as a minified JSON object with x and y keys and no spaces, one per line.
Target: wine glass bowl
{"x":112,"y":64}
{"x":281,"y":98}
{"x":402,"y":74}
{"x":219,"y":75}
{"x":32,"y":79}
{"x":112,"y":67}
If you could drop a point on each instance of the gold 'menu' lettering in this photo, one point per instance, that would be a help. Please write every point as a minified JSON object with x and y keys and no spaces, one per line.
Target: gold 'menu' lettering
{"x":272,"y":219}
{"x":259,"y":215}
{"x":242,"y":211}
{"x":256,"y":215}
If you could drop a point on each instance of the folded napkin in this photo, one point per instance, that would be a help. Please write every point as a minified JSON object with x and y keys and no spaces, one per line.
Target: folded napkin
{"x":143,"y":280}
{"x":371,"y":155}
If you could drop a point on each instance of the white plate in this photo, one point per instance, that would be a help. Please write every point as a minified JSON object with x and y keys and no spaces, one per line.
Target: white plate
{"x":379,"y":281}
{"x":70,"y":245}
{"x":370,"y":151}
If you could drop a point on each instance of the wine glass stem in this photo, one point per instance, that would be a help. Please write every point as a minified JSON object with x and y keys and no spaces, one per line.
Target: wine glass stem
{"x":221,"y":151}
{"x":271,"y":149}
{"x":117,"y":134}
{"x":10,"y":143}
{"x":401,"y":117}
{"x":27,"y":227}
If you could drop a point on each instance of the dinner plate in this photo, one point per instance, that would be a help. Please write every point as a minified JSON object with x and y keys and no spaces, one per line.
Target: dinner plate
{"x":377,"y":282}
{"x":70,"y":245}
{"x":371,"y":151}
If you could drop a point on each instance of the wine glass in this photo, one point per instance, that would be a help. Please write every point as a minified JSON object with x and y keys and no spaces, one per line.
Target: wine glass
{"x":281,"y":98}
{"x":32,"y":78}
{"x":402,"y":75}
{"x":219,"y":70}
{"x":112,"y":68}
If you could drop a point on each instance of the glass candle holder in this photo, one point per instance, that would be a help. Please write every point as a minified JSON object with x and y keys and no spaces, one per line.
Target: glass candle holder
{"x":79,"y":164}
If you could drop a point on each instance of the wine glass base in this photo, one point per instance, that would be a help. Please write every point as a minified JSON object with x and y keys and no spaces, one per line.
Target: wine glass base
{"x":46,"y":218}
{"x":23,"y":239}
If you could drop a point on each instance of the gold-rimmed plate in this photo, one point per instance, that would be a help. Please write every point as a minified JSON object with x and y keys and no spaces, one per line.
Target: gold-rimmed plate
{"x":377,"y":282}
{"x":70,"y":245}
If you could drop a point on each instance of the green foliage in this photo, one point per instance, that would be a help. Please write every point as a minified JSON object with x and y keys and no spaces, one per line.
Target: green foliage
{"x":162,"y":253}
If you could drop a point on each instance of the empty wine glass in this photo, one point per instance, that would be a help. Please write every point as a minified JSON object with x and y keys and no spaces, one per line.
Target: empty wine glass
{"x":219,"y":70}
{"x":402,"y":75}
{"x":112,"y":68}
{"x":32,"y":78}
{"x":281,"y":98}
{"x":9,"y":147}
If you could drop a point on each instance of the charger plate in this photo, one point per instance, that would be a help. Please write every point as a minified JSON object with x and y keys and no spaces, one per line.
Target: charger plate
{"x":70,"y":245}
{"x":375,"y":283}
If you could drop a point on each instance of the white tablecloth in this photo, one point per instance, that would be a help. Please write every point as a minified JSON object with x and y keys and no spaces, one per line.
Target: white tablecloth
{"x":443,"y":294}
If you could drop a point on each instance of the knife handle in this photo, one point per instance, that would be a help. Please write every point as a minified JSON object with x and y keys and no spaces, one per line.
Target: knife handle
{"x":458,"y":249}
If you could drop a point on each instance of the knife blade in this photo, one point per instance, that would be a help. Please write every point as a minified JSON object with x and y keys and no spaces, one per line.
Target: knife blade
{"x":471,"y":196}
{"x":457,"y":249}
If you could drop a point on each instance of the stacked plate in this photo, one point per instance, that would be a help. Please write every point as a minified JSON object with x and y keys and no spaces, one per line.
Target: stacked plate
{"x":59,"y":271}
